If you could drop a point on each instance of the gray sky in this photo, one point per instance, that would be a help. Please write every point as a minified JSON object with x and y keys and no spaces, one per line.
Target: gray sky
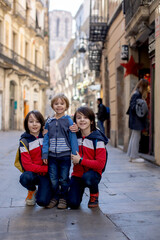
{"x":68,"y":5}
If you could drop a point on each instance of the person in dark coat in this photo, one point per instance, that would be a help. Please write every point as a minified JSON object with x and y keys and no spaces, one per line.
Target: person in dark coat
{"x":101,"y":115}
{"x":136,"y":124}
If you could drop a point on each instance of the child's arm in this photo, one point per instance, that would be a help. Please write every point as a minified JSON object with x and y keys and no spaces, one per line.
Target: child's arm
{"x":97,"y":163}
{"x":45,"y":148}
{"x":27,"y":163}
{"x":73,"y":139}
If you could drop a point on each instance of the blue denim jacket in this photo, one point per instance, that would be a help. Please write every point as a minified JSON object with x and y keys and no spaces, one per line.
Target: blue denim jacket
{"x":59,"y":140}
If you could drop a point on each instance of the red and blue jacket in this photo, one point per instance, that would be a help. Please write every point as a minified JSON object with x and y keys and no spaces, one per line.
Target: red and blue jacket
{"x":93,"y":157}
{"x":32,"y":160}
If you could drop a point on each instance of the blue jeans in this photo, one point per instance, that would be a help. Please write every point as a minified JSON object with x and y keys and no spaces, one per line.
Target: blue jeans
{"x":58,"y":169}
{"x":89,"y":179}
{"x":29,"y":180}
{"x":100,"y":125}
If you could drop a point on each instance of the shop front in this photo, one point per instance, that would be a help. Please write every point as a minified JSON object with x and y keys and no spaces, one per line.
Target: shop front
{"x":147,"y":61}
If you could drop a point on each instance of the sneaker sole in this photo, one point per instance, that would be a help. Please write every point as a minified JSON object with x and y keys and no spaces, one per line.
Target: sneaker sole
{"x":61,"y":207}
{"x":30,"y":203}
{"x":93,"y":206}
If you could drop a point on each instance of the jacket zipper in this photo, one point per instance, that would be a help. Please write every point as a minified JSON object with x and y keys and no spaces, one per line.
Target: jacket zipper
{"x":82,"y":152}
{"x":56,"y":137}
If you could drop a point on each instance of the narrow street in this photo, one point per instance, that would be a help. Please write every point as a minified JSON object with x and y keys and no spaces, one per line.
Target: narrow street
{"x":129,"y":203}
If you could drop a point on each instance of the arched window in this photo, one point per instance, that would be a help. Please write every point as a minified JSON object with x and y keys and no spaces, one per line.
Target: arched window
{"x":57,"y":28}
{"x":66,"y":28}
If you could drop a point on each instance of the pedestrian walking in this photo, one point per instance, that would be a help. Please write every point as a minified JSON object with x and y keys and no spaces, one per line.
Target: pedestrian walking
{"x":137,"y":120}
{"x":101,"y":115}
{"x":58,"y":144}
{"x":35,"y":172}
{"x":89,"y":162}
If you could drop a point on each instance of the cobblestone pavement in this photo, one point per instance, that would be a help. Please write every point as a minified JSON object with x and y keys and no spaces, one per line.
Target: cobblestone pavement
{"x":129,"y":203}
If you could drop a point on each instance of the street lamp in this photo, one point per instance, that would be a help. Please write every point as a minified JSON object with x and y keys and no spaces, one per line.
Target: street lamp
{"x":83,"y":45}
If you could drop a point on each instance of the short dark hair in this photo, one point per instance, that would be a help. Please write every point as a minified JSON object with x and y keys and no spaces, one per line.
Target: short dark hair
{"x":88,"y":112}
{"x":100,"y":100}
{"x":38,"y":116}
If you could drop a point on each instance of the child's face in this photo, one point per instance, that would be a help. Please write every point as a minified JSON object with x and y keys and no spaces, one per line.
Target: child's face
{"x":83,"y":122}
{"x":34,"y":125}
{"x":59,"y":106}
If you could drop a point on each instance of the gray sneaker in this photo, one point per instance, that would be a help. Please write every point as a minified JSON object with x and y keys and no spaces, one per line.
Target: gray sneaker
{"x":137,"y":160}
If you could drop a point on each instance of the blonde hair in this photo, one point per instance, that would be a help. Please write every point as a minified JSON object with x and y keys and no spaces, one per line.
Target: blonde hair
{"x":62,"y":97}
{"x":141,"y":86}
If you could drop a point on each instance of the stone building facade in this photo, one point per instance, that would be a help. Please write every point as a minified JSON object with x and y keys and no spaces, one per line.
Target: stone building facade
{"x":137,"y":26}
{"x":24,"y":60}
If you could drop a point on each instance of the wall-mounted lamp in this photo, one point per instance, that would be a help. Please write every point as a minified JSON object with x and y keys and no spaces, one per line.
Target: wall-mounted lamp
{"x":124,"y":52}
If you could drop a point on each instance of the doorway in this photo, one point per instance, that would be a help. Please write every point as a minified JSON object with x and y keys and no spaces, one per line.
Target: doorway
{"x":13,"y":106}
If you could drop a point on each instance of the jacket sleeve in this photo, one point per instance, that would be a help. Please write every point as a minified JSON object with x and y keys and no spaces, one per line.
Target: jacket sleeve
{"x":27,"y":163}
{"x":100,"y":158}
{"x":45,"y":148}
{"x":73,"y":139}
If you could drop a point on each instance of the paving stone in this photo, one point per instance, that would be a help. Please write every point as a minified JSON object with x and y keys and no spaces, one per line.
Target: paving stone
{"x":129,"y":203}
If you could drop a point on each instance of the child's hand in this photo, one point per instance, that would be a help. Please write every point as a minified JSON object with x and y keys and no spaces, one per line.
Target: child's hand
{"x":75,"y":158}
{"x":44,"y":132}
{"x":45,"y":161}
{"x":74,"y":128}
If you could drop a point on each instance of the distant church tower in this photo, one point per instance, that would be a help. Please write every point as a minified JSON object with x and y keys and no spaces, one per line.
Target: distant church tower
{"x":60,"y":31}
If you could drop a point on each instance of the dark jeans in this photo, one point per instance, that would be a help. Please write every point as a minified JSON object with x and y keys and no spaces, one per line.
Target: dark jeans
{"x":29,"y":180}
{"x":100,"y":125}
{"x":58,"y":169}
{"x":89,"y":179}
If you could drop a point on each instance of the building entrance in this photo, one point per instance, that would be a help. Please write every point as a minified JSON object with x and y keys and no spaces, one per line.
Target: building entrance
{"x":13,"y":106}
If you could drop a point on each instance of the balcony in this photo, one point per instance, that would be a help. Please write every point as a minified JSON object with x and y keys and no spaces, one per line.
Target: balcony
{"x":95,"y":52}
{"x":98,"y":21}
{"x":39,"y":32}
{"x":31,"y":23}
{"x":19,"y":12}
{"x":6,"y":4}
{"x":136,"y":15}
{"x":11,"y":57}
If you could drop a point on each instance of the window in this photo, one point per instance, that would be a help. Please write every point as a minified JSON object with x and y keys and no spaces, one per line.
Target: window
{"x":26,"y":51}
{"x":66,"y":28}
{"x":57,"y":28}
{"x":1,"y":32}
{"x":7,"y":34}
{"x":36,"y":58}
{"x":14,"y":42}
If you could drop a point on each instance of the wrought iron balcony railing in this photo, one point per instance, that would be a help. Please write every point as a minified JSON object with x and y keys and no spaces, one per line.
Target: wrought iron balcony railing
{"x":130,"y":7}
{"x":98,"y":21}
{"x":13,"y":58}
{"x":95,"y":53}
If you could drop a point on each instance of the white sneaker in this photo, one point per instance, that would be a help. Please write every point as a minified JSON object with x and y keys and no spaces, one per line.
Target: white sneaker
{"x":31,"y":198}
{"x":137,"y":160}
